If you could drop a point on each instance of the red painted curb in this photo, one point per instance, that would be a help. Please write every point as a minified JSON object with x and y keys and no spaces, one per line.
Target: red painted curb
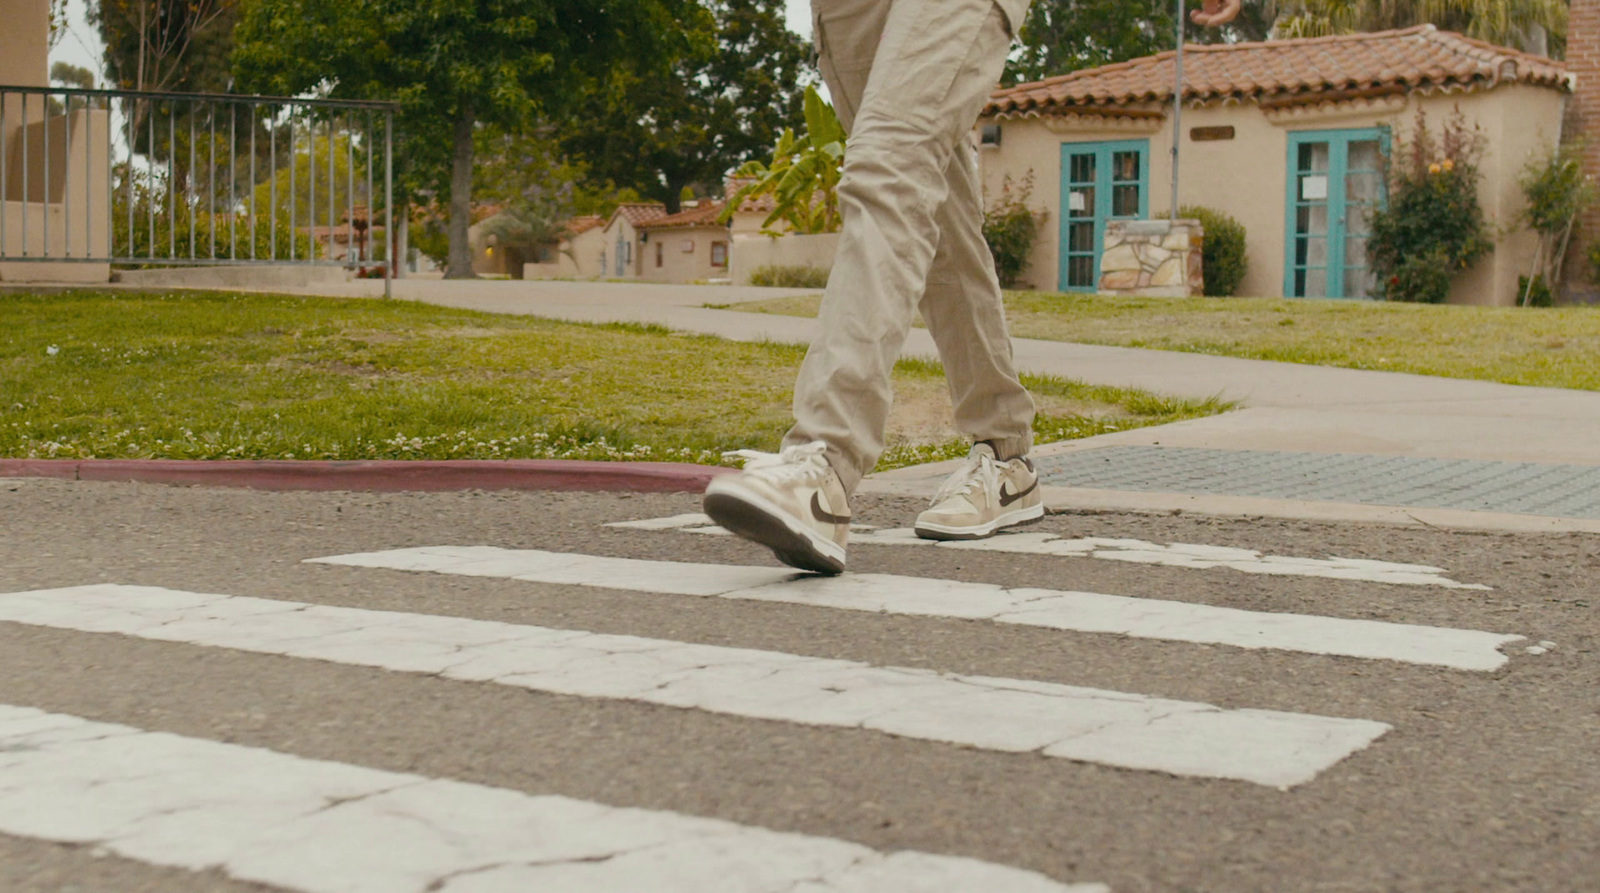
{"x":381,"y":475}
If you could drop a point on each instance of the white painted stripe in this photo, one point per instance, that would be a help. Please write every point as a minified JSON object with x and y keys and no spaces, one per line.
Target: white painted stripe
{"x":1143,"y":618}
{"x":1189,"y":555}
{"x":324,"y":827}
{"x":1112,"y":728}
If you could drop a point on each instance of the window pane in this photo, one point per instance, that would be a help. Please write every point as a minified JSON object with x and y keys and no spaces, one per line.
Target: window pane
{"x":1316,"y":284}
{"x":1081,"y":200}
{"x":1312,"y":220}
{"x":1125,"y":201}
{"x":1364,"y":156}
{"x":1355,"y":251}
{"x":1313,"y":157}
{"x":1358,"y":282}
{"x":1083,"y":168}
{"x":1316,"y":251}
{"x":1125,"y":166}
{"x":1080,"y":272}
{"x":1363,"y":187}
{"x":1080,"y":236}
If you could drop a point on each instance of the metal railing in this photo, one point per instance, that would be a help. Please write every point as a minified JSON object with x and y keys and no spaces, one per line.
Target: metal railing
{"x":145,"y":179}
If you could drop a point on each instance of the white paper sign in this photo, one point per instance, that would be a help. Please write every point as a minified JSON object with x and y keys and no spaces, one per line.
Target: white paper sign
{"x":1075,"y":201}
{"x":1313,"y":188}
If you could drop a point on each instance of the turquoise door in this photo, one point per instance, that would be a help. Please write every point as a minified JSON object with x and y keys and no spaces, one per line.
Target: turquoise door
{"x":1336,"y":179}
{"x":1099,"y":182}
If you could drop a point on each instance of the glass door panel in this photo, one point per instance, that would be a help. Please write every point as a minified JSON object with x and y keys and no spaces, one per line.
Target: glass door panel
{"x":1336,"y":180}
{"x":1099,"y":182}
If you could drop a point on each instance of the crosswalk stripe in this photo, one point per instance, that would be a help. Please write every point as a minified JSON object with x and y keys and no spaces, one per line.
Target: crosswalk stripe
{"x":1186,"y":555}
{"x":1145,"y":618}
{"x":316,"y":826}
{"x":1131,"y":731}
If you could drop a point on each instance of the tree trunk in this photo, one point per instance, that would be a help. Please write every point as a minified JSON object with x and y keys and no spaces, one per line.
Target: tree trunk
{"x":460,"y":263}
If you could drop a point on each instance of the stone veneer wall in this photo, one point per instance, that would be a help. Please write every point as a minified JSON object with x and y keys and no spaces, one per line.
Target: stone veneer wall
{"x":1152,"y":258}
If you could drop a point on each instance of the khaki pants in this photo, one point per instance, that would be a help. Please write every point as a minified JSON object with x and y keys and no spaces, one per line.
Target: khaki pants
{"x":908,"y":78}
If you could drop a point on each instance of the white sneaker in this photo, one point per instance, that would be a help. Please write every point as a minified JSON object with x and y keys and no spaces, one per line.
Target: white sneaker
{"x":983,"y":496}
{"x":791,"y":502}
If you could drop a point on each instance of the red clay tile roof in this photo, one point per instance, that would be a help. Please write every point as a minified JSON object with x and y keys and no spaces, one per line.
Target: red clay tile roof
{"x":577,"y":226}
{"x":638,"y":212}
{"x":704,"y":214}
{"x":755,"y":204}
{"x":1357,"y":64}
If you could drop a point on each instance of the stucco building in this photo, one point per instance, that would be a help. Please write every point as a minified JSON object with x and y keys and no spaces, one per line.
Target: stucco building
{"x":689,"y":246}
{"x":1291,"y":137}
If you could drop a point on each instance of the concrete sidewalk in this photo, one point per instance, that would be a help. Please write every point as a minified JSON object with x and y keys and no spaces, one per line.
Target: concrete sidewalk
{"x":1307,"y":441}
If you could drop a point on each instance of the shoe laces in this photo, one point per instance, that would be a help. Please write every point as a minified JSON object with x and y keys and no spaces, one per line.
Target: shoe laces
{"x":981,"y":472}
{"x":804,"y":462}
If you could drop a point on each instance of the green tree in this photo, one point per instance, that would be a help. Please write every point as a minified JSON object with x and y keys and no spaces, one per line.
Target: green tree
{"x":724,"y":102}
{"x":1060,"y":36}
{"x":452,"y":65}
{"x":179,"y":45}
{"x":1535,"y":25}
{"x":803,"y":175}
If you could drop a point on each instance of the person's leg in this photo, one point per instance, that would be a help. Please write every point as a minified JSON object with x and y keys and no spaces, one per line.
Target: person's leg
{"x":962,"y":308}
{"x":933,"y":66}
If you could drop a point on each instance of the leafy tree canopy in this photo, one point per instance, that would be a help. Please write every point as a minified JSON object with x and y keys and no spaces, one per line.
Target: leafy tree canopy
{"x":452,"y":65}
{"x":180,"y":45}
{"x":1061,"y":36}
{"x":1534,"y":25}
{"x":723,"y":103}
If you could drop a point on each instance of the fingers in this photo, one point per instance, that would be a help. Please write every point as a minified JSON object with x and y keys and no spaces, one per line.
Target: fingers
{"x":1215,"y":13}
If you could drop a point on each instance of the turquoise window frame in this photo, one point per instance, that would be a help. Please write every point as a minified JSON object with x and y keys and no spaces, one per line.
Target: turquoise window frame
{"x":1103,"y":152}
{"x":1338,"y":141}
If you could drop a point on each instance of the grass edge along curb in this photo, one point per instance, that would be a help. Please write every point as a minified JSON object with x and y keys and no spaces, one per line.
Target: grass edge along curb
{"x":392,"y":475}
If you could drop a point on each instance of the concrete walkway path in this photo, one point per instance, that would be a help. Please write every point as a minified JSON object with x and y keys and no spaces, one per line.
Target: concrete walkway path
{"x":1339,"y":443}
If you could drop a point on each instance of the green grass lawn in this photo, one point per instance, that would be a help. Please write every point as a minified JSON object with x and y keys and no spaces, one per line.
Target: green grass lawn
{"x":1557,"y":347}
{"x":213,"y":375}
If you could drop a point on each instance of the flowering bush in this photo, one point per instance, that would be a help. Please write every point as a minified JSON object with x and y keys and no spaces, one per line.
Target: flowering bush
{"x":1433,"y":227}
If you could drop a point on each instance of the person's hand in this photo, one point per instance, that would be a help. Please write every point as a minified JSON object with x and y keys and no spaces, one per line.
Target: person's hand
{"x":1215,"y":12}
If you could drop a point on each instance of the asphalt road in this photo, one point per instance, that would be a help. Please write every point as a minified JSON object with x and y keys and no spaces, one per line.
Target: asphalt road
{"x":1486,"y":780}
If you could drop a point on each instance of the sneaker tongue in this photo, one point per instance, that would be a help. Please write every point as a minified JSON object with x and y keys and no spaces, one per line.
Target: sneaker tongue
{"x":983,"y":449}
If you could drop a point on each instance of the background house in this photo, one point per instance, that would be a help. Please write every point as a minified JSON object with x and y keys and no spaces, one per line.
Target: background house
{"x":1291,"y":137}
{"x":575,"y":256}
{"x":688,"y":246}
{"x":621,"y":257}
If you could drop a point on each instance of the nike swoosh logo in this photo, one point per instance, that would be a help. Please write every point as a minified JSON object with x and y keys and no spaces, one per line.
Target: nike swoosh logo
{"x":1008,"y":498}
{"x":821,"y":514}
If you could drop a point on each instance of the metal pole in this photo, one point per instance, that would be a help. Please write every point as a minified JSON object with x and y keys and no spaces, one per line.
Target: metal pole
{"x":189,"y":187}
{"x":294,"y":161}
{"x":3,"y":156}
{"x":27,"y":174}
{"x":255,"y":212}
{"x":272,"y":178}
{"x":1177,"y":107}
{"x":388,"y":204}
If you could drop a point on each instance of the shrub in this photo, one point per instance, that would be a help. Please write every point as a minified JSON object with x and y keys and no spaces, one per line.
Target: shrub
{"x":789,"y":276}
{"x":1538,"y":294}
{"x":1433,"y":227}
{"x":1558,"y":192}
{"x":1011,"y":229}
{"x":1222,"y":255}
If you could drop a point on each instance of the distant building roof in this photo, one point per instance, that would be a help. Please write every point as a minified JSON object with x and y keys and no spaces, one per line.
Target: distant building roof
{"x":753,"y":204}
{"x":1364,"y":64}
{"x":704,"y":214}
{"x":577,"y":226}
{"x":637,"y":212}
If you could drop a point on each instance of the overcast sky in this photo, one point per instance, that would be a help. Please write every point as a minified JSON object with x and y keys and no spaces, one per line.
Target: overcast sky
{"x":81,"y":46}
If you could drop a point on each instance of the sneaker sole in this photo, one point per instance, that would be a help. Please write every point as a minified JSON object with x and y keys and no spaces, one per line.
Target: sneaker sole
{"x":930,"y":531}
{"x":760,"y":521}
